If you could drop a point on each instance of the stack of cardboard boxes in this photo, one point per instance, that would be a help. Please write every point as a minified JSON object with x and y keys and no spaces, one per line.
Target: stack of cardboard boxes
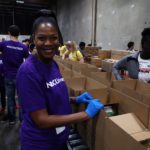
{"x":129,"y":128}
{"x":115,"y":56}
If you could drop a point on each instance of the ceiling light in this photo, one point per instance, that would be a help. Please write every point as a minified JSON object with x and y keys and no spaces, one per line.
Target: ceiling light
{"x":20,"y":2}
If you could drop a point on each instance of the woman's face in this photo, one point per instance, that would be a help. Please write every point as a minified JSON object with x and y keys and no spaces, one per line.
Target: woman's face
{"x":70,"y":47}
{"x":46,"y":42}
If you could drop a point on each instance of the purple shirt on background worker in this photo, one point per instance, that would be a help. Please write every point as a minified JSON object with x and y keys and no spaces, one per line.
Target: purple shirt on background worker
{"x":1,"y":71}
{"x":13,"y":54}
{"x":42,"y":87}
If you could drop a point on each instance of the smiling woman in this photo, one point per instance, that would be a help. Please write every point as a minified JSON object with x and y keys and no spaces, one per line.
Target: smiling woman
{"x":43,"y":93}
{"x":46,"y":41}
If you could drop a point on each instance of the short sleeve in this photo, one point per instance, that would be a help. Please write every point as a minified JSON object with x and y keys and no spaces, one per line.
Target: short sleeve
{"x":79,"y":55}
{"x":31,"y":95}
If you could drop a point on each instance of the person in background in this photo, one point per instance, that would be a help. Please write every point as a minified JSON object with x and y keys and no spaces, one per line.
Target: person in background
{"x":82,"y":48}
{"x":26,"y":42}
{"x":2,"y":87}
{"x":3,"y":39}
{"x":44,"y":97}
{"x":62,"y":49}
{"x":13,"y":53}
{"x":137,"y":65}
{"x":130,"y":46}
{"x":72,"y":53}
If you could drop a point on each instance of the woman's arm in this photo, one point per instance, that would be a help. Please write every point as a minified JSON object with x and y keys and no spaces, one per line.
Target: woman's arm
{"x":72,"y":99}
{"x":80,"y":56}
{"x":43,"y":120}
{"x":81,"y":60}
{"x":65,"y":54}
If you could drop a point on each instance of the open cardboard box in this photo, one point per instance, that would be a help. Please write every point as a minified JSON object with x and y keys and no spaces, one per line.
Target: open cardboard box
{"x":118,"y":54}
{"x":96,"y":132}
{"x":78,"y":67}
{"x":104,"y":54}
{"x":102,"y":77}
{"x":146,"y":99}
{"x":67,"y":63}
{"x":125,"y":131}
{"x":133,"y":88}
{"x":107,"y":65}
{"x":70,"y":74}
{"x":96,"y":61}
{"x":80,"y":84}
{"x":86,"y":128}
{"x":87,"y":71}
{"x":90,"y":50}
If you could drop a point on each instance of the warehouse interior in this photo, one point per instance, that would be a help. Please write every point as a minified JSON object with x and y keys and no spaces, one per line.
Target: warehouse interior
{"x":106,"y":68}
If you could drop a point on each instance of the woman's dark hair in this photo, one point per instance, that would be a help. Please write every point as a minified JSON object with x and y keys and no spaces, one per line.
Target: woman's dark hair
{"x":47,"y":16}
{"x":145,"y":36}
{"x":14,"y":30}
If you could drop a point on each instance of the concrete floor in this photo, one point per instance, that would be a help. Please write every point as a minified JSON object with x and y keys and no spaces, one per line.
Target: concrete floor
{"x":9,"y":136}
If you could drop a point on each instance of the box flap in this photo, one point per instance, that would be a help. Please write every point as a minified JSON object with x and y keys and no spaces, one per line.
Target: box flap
{"x":129,"y":123}
{"x":142,"y":87}
{"x":131,"y":84}
{"x":146,"y":99}
{"x":141,"y":136}
{"x":93,"y":84}
{"x":128,"y":104}
{"x":101,"y":94}
{"x":77,"y":83}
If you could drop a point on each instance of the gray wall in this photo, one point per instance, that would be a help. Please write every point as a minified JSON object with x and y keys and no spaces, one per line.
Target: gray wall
{"x":75,"y":17}
{"x":117,"y":21}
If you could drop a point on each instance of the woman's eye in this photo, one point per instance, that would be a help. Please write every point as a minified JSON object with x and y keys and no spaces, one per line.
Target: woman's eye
{"x":42,"y":38}
{"x":53,"y":38}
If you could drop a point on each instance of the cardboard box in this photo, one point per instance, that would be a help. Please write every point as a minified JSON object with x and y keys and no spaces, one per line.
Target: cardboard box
{"x":70,"y":74}
{"x":128,"y":104}
{"x":90,"y":50}
{"x":87,"y":71}
{"x":118,"y":54}
{"x":87,"y":128}
{"x":103,"y":77}
{"x":104,"y":54}
{"x":125,"y":131}
{"x":78,"y":85}
{"x":146,"y":99}
{"x":96,"y":61}
{"x":133,"y":88}
{"x":79,"y":67}
{"x":67,"y":63}
{"x":117,"y":137}
{"x":107,"y":65}
{"x":94,"y":131}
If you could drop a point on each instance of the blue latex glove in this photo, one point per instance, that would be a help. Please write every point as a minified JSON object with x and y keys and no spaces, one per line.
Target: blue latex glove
{"x":84,"y":98}
{"x":93,"y":108}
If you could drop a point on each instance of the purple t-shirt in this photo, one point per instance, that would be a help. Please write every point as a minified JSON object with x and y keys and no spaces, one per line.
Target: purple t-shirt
{"x":14,"y":53}
{"x":41,"y":86}
{"x":1,"y":71}
{"x":1,"y":66}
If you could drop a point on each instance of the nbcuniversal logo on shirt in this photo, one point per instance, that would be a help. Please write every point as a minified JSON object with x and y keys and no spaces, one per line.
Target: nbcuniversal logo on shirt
{"x":54,"y":82}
